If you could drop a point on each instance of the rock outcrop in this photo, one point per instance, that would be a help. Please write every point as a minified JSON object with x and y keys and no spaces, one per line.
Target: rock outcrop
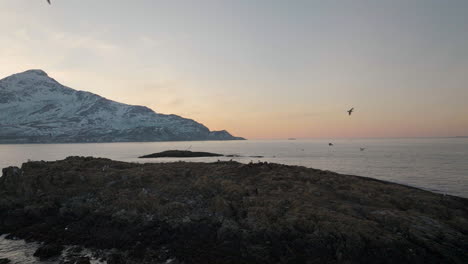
{"x":227,"y":212}
{"x":181,"y":154}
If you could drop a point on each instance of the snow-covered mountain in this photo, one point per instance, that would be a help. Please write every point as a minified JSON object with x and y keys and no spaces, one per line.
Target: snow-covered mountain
{"x":35,"y":108}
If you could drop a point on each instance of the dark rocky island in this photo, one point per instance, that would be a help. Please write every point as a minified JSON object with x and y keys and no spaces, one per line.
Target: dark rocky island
{"x":181,"y":154}
{"x":190,"y":154}
{"x":228,"y":212}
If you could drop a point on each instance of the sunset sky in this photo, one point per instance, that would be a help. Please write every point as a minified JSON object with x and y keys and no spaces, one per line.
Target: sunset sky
{"x":259,"y":69}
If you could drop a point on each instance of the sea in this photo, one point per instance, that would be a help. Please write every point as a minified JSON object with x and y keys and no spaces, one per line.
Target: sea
{"x":435,"y":164}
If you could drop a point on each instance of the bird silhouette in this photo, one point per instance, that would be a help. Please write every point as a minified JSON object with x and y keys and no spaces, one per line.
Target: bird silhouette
{"x":350,"y":111}
{"x":330,"y":144}
{"x":362,"y":149}
{"x":48,"y":1}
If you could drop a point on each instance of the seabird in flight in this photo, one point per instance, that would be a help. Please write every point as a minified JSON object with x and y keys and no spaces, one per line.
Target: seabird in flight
{"x":330,"y":144}
{"x":48,"y":1}
{"x":362,"y":149}
{"x":350,"y":111}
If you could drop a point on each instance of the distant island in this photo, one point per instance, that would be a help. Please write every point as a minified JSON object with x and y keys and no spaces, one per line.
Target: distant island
{"x":35,"y":108}
{"x":181,"y":154}
{"x":192,"y":154}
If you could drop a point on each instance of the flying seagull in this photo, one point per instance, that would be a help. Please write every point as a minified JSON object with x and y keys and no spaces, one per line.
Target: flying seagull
{"x":350,"y":111}
{"x":330,"y":144}
{"x":362,"y":149}
{"x":48,"y":1}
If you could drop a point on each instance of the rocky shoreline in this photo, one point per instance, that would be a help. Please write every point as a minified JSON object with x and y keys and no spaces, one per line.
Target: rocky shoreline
{"x":228,"y":212}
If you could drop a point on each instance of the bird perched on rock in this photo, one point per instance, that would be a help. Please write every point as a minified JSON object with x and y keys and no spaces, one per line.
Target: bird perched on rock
{"x":350,"y":111}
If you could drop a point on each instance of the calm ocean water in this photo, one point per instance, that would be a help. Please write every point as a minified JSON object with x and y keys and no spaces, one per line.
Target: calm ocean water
{"x":436,"y":164}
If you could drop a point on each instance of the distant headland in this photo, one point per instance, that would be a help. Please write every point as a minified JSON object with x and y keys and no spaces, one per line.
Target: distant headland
{"x":34,"y":108}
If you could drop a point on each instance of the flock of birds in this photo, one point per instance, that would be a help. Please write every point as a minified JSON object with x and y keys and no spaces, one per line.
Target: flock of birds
{"x":350,"y":111}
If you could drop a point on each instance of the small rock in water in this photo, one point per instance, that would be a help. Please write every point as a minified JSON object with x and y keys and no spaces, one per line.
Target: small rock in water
{"x":48,"y":251}
{"x":82,"y":260}
{"x":115,"y":258}
{"x":4,"y":261}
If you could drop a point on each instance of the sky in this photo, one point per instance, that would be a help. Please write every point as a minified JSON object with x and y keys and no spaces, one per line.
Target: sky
{"x":259,"y":69}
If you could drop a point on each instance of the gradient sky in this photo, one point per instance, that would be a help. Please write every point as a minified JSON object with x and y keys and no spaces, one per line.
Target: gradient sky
{"x":260,"y":69}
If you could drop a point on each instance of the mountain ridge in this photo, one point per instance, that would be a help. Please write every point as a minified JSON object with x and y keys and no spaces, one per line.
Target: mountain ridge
{"x":35,"y":108}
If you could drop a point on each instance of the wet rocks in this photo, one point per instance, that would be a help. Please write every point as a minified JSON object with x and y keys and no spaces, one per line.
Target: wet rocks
{"x":228,"y":212}
{"x":4,"y":261}
{"x":82,"y":260}
{"x":76,"y":260}
{"x":48,"y":251}
{"x":115,"y":259}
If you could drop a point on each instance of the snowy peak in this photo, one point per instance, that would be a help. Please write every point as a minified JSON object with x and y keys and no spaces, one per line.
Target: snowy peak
{"x":30,"y":76}
{"x":31,"y":79}
{"x":36,"y":108}
{"x":36,"y":72}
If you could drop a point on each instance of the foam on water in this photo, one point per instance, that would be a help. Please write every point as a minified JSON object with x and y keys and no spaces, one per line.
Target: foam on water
{"x":20,"y":252}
